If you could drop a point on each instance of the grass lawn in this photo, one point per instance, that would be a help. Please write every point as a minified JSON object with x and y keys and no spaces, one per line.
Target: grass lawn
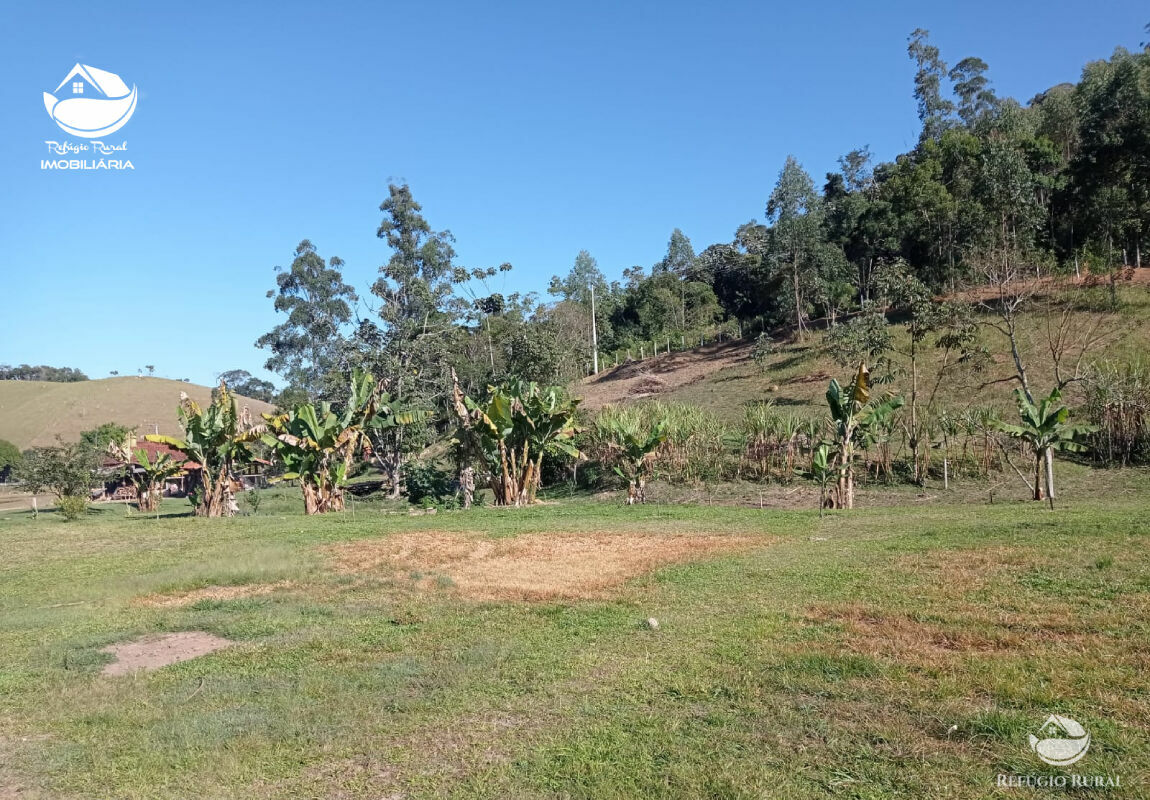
{"x":901,"y":651}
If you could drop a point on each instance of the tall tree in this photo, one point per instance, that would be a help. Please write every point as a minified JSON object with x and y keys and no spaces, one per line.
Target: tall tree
{"x":418,"y":316}
{"x":934,"y":110}
{"x":680,"y":261}
{"x":574,"y":291}
{"x":308,"y":348}
{"x":975,"y":97}
{"x":794,"y":210}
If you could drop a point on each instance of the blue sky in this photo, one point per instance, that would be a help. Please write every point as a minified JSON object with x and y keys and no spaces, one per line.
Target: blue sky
{"x":530,"y":130}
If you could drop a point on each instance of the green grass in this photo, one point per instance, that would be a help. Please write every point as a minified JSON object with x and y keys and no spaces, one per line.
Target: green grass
{"x":904,"y":651}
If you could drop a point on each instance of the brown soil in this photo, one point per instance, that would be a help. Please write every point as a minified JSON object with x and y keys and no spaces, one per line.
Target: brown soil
{"x":153,"y":652}
{"x":181,"y":599}
{"x":662,"y":373}
{"x":540,"y":566}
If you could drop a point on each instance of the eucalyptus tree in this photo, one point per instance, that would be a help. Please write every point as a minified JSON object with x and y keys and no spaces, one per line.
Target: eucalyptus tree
{"x":794,"y":210}
{"x":585,"y":291}
{"x":934,"y":110}
{"x":975,"y":97}
{"x":418,"y":319}
{"x":307,"y":349}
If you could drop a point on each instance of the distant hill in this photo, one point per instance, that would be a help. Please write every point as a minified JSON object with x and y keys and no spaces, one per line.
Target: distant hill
{"x":35,"y":412}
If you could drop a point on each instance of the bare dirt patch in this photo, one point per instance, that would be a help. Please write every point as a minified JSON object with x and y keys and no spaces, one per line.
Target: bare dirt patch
{"x":153,"y":652}
{"x":180,"y":599}
{"x":658,"y":374}
{"x":539,"y":566}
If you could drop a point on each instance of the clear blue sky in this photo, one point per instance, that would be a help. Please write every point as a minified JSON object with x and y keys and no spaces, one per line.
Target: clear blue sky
{"x":530,"y":130}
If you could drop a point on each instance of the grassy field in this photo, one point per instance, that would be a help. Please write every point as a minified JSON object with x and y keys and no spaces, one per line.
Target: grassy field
{"x":903,"y":651}
{"x":33,"y":413}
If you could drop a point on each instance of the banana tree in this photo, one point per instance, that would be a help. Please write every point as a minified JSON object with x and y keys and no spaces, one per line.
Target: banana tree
{"x":511,"y":429}
{"x":217,"y":439}
{"x":318,"y":444}
{"x":632,"y":447}
{"x":148,"y":476}
{"x":1045,"y":428}
{"x":854,"y":418}
{"x":821,"y":471}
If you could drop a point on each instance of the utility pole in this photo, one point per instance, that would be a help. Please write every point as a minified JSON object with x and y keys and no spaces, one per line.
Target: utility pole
{"x":594,"y":335}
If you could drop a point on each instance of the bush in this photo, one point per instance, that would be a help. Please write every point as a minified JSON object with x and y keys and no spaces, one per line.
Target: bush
{"x":425,"y":481}
{"x":254,"y":499}
{"x":66,"y":470}
{"x":10,"y":459}
{"x":763,"y":350}
{"x":72,"y":507}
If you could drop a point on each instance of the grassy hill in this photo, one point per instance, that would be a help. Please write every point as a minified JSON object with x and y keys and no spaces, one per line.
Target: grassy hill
{"x":35,"y":412}
{"x":725,"y":380}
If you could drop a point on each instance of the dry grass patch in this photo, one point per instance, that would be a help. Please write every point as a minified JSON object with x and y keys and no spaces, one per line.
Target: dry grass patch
{"x":967,"y":570}
{"x":181,"y":599}
{"x":538,"y":566}
{"x":899,"y":637}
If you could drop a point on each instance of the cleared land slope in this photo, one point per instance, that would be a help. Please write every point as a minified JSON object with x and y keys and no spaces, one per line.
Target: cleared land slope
{"x":725,"y":379}
{"x":35,"y":412}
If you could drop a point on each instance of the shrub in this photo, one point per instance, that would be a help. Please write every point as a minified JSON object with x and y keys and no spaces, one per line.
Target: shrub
{"x":763,"y":350}
{"x":254,"y":498}
{"x":10,"y":459}
{"x":72,"y":507}
{"x":425,"y":481}
{"x":66,"y":470}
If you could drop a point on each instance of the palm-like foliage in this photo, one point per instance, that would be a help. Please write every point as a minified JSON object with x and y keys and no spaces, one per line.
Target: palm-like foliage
{"x":217,"y":440}
{"x":855,"y":418}
{"x":511,"y":429}
{"x":148,"y":477}
{"x":822,"y":471}
{"x":631,"y":447}
{"x":317,"y":444}
{"x":1045,"y":428}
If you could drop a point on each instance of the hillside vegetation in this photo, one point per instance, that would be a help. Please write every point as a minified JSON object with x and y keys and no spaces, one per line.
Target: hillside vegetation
{"x":34,"y":413}
{"x":725,"y":380}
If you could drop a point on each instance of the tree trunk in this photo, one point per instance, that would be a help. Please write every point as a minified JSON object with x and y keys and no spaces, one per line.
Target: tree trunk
{"x":467,"y":486}
{"x":916,"y":469}
{"x":1049,"y":456}
{"x":1038,"y":476}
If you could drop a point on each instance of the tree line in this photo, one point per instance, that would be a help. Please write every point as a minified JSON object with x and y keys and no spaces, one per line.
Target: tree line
{"x":41,"y":372}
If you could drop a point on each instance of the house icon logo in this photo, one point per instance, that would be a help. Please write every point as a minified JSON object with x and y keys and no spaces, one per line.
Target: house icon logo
{"x":91,"y":102}
{"x":1064,"y":741}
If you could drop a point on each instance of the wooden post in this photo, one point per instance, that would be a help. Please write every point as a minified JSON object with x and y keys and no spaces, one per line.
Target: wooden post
{"x":594,"y":334}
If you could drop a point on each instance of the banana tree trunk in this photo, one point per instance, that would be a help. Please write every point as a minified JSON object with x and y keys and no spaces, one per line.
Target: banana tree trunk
{"x":1038,"y":476}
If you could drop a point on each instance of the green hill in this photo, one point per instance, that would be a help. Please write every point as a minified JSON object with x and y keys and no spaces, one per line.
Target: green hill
{"x":35,"y":412}
{"x":723,"y":378}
